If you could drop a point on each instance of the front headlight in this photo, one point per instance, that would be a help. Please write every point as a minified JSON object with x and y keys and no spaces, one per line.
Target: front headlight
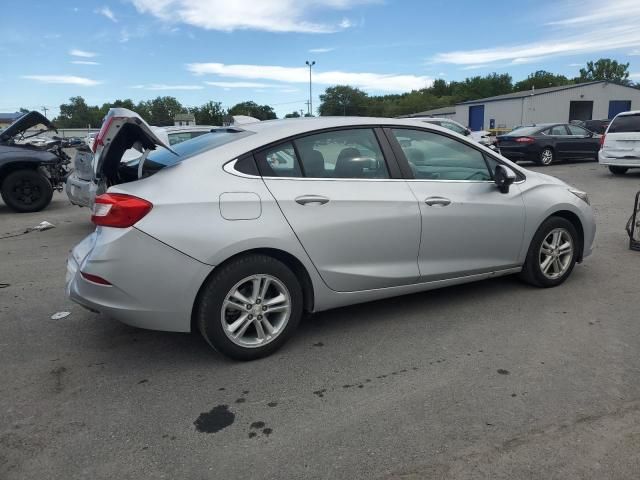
{"x":581,"y":195}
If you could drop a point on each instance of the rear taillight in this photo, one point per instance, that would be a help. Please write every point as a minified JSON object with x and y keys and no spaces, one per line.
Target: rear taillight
{"x":602,"y":140}
{"x":525,"y":140}
{"x":119,"y":210}
{"x":102,"y":133}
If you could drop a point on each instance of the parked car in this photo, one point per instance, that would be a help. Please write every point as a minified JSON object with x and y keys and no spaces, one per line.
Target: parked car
{"x":483,"y":137}
{"x":29,"y":173}
{"x":218,"y":237}
{"x":595,"y":126}
{"x":549,"y":142}
{"x":82,"y":185}
{"x":621,"y":143}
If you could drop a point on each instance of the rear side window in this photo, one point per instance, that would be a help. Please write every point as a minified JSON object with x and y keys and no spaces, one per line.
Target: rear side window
{"x":625,"y":123}
{"x":432,"y":156}
{"x":577,"y":131}
{"x":279,"y":161}
{"x":558,"y":130}
{"x":353,"y":153}
{"x":524,"y":131}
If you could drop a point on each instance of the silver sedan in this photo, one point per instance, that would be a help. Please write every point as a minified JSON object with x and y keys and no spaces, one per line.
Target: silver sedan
{"x":236,"y":233}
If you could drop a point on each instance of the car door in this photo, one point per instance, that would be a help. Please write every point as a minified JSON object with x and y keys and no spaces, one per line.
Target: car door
{"x":468,"y":225}
{"x":584,"y":143}
{"x":562,"y":140}
{"x":358,"y":221}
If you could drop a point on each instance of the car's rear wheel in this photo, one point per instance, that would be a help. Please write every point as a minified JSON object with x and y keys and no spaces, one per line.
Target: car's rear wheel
{"x":552,"y":253}
{"x":618,"y":170}
{"x":546,"y":156}
{"x":250,"y":307}
{"x":26,"y":191}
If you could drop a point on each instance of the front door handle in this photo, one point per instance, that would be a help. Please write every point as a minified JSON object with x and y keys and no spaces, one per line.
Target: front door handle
{"x":312,"y":200}
{"x":440,"y":201}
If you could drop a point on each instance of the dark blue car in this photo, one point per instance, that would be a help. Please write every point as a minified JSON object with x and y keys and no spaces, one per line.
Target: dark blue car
{"x":549,"y":142}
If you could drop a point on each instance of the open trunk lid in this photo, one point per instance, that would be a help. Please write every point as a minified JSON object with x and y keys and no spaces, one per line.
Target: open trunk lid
{"x":122,"y":130}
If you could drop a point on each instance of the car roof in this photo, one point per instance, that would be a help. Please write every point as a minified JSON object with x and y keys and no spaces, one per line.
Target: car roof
{"x":186,"y":128}
{"x":632,"y":112}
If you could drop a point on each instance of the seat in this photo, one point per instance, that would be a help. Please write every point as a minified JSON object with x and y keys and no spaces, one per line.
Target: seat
{"x":415,"y":156}
{"x":313,"y":164}
{"x":348,"y":164}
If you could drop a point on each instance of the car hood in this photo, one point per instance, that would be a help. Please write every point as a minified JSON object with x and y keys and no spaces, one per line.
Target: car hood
{"x":25,"y":122}
{"x":548,"y":179}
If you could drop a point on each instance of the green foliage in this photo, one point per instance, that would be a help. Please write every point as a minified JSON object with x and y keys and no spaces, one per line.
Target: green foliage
{"x":541,"y":79}
{"x":77,"y":114}
{"x":605,"y":69}
{"x":211,"y":113}
{"x":343,"y":100}
{"x":252,"y":109}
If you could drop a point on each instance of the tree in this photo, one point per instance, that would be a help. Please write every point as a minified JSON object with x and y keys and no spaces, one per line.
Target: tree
{"x":293,"y":114}
{"x":541,"y":79}
{"x":605,"y":69}
{"x":211,"y":113}
{"x":160,"y":111}
{"x":252,"y":109}
{"x":343,"y":100}
{"x":77,"y":114}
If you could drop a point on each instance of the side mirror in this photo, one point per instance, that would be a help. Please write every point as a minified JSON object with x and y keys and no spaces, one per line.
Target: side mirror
{"x":504,"y":177}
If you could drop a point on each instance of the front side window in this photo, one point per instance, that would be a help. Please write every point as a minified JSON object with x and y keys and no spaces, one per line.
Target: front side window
{"x":353,"y":153}
{"x":432,"y":156}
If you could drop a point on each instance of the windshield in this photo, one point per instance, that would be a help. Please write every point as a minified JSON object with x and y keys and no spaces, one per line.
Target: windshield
{"x":625,"y":123}
{"x":163,"y":158}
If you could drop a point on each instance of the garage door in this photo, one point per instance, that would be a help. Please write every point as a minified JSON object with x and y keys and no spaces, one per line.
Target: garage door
{"x":617,"y":106}
{"x":476,"y":117}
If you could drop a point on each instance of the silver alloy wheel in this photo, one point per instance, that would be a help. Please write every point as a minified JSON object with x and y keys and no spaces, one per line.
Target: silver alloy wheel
{"x":556,"y":253}
{"x":546,"y":157}
{"x":256,"y":310}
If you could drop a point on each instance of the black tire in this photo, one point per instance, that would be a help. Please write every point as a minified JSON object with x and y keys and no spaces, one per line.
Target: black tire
{"x":26,"y":191}
{"x":532,"y":271}
{"x":208,"y":314}
{"x":618,"y":170}
{"x":547,"y":156}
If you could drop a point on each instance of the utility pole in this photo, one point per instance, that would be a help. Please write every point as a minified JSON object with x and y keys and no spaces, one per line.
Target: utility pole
{"x":310,"y":64}
{"x":45,"y":110}
{"x":308,"y":104}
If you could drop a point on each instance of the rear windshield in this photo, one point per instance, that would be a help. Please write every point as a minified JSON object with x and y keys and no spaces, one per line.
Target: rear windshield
{"x":625,"y":123}
{"x":524,"y":131}
{"x":164,"y":158}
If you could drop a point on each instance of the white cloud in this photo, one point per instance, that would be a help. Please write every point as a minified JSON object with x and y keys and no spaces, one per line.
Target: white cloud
{"x":107,"y":12}
{"x":267,"y":15}
{"x":240,"y":84}
{"x":475,"y":67}
{"x":163,"y":86}
{"x":576,"y":65}
{"x":321,"y":50}
{"x":608,"y":26}
{"x":81,"y":53}
{"x":84,"y":62}
{"x":368,"y":81}
{"x":634,"y":75}
{"x":635,"y":52}
{"x":63,"y":79}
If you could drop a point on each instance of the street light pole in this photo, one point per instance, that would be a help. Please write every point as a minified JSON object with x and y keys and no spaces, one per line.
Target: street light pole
{"x":310,"y":64}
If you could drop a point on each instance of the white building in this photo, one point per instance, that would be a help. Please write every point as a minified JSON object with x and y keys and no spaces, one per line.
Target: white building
{"x":585,"y":101}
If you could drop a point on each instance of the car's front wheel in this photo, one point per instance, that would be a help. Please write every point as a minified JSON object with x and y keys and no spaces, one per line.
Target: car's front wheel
{"x":552,"y":254}
{"x":618,"y":170}
{"x":26,"y":191}
{"x":250,"y":307}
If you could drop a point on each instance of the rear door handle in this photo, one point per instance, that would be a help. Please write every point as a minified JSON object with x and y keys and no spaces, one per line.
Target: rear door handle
{"x":440,"y":201}
{"x":312,"y":200}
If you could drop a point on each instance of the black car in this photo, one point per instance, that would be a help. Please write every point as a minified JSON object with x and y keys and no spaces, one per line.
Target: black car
{"x":549,"y":142}
{"x":595,"y":126}
{"x":29,"y":173}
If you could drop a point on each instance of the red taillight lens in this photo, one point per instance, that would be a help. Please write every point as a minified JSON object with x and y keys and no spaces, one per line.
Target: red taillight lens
{"x":119,"y":210}
{"x":94,"y":279}
{"x":525,"y":140}
{"x":602,"y":140}
{"x":102,"y":133}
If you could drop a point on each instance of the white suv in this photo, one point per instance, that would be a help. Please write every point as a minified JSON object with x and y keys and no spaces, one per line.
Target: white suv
{"x":620,"y":145}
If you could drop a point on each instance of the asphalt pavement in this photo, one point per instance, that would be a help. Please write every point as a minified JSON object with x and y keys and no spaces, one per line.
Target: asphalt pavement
{"x":495,"y":380}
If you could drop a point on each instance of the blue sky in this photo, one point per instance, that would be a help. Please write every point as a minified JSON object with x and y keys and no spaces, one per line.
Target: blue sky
{"x":236,"y":50}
